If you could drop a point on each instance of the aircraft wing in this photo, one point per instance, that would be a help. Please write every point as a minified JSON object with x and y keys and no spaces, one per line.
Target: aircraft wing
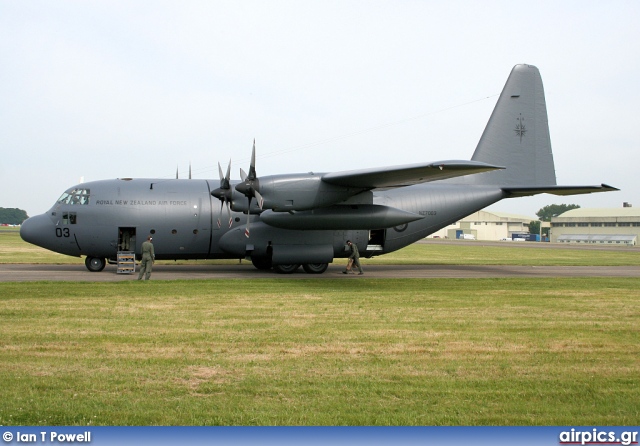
{"x":406,"y":175}
{"x":556,"y":190}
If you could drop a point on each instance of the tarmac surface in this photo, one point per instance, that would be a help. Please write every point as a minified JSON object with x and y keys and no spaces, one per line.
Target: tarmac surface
{"x":73,"y":273}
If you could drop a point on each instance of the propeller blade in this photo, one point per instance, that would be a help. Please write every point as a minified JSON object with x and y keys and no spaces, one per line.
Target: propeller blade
{"x":246,"y":230}
{"x":259,"y":198}
{"x":220,"y":214}
{"x":227,"y":177}
{"x":222,"y":203}
{"x":224,"y":193}
{"x":250,"y":185}
{"x":252,"y":166}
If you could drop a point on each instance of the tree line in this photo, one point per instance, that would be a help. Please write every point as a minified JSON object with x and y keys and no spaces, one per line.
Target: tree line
{"x":12,"y":216}
{"x":545,"y":214}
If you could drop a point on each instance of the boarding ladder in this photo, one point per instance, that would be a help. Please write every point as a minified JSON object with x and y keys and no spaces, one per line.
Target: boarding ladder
{"x":126,"y":262}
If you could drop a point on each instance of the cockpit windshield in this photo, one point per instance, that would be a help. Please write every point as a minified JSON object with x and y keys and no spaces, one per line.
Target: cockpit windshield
{"x":75,"y":196}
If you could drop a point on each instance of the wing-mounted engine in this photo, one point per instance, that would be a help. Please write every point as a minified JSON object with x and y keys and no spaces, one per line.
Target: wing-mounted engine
{"x":300,"y":192}
{"x":289,"y":192}
{"x":280,"y":193}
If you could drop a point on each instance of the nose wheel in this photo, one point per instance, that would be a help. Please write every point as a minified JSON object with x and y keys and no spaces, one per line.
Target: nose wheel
{"x":95,"y":264}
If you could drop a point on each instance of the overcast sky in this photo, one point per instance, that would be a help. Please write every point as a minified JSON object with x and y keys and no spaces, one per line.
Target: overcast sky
{"x":111,"y":89}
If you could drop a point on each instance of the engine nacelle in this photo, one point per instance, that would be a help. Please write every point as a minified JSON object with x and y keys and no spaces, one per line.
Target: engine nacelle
{"x":293,"y":192}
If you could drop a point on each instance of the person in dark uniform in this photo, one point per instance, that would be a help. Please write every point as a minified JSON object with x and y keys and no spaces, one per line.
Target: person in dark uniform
{"x":125,"y":239}
{"x":148,"y":257}
{"x":354,"y":258}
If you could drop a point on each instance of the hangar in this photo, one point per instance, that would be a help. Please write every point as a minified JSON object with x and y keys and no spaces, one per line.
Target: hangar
{"x":487,"y":225}
{"x":619,"y":226}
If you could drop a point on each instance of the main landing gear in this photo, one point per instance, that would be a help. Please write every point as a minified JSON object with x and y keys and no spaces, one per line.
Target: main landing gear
{"x":309,"y":268}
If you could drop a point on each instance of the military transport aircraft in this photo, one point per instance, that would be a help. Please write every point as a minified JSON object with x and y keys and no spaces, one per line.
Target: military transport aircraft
{"x":284,"y":221}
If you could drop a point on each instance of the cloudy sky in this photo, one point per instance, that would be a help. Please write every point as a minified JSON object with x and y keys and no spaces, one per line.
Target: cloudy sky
{"x":107,"y":89}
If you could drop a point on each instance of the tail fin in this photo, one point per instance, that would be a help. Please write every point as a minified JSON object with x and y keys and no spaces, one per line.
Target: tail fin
{"x":517,"y":135}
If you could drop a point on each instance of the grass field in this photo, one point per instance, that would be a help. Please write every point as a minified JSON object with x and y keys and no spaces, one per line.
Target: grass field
{"x":318,"y":352}
{"x":322,"y":352}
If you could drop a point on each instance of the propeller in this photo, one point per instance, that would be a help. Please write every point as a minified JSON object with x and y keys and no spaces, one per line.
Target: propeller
{"x":223,"y":193}
{"x":249,"y":186}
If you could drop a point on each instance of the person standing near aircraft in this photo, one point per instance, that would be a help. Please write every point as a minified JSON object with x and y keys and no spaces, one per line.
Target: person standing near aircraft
{"x":126,"y":240}
{"x":354,"y":259}
{"x":148,"y":257}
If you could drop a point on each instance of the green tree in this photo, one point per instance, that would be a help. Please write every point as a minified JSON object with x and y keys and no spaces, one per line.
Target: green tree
{"x":534,"y":227}
{"x":12,"y":216}
{"x":553,"y":210}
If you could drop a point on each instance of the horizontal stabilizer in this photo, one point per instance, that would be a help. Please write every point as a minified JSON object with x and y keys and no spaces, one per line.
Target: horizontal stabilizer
{"x":407,"y":175}
{"x":513,"y":192}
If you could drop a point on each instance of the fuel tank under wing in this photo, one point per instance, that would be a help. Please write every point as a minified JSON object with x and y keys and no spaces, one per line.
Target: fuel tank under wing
{"x":357,"y":216}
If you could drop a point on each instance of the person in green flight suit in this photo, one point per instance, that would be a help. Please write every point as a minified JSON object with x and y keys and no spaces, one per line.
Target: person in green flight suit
{"x":148,"y":257}
{"x":354,"y":258}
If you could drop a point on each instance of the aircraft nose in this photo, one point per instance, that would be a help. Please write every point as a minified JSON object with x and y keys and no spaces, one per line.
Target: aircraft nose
{"x":36,"y":230}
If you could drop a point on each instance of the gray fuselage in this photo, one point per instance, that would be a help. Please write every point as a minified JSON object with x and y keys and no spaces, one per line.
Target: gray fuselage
{"x":182,"y":216}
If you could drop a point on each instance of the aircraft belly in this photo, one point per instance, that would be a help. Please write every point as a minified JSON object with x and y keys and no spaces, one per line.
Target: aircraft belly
{"x":441,"y":205}
{"x":282,"y":245}
{"x":288,"y":254}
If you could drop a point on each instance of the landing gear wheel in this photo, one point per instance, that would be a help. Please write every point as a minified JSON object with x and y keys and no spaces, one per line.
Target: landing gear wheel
{"x":315,"y":268}
{"x":286,"y":269}
{"x":261,"y":263}
{"x":94,"y":264}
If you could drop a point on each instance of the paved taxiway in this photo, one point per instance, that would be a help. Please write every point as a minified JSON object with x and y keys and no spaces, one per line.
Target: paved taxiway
{"x":33,"y":272}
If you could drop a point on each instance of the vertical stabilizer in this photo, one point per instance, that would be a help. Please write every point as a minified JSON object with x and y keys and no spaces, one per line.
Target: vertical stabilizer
{"x":517,"y":135}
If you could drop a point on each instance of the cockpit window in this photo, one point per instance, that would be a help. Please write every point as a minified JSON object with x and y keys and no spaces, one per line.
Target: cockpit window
{"x":75,"y":196}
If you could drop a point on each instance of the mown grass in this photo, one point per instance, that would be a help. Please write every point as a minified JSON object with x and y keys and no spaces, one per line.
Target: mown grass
{"x":477,"y":253}
{"x":321,"y":352}
{"x":15,"y":250}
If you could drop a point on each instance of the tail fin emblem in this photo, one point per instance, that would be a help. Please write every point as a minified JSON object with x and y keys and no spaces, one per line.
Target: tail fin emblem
{"x":520,"y":128}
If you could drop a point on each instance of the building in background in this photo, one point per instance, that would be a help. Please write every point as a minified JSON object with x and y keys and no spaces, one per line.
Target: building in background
{"x":620,"y":226}
{"x":488,"y":225}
